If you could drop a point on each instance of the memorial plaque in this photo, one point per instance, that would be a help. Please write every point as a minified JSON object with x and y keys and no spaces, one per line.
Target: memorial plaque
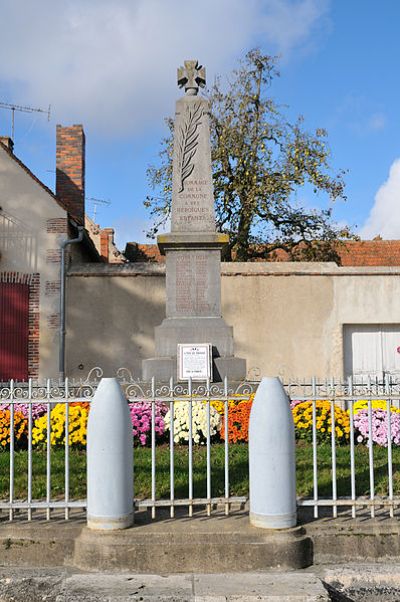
{"x":195,"y":362}
{"x":193,"y":283}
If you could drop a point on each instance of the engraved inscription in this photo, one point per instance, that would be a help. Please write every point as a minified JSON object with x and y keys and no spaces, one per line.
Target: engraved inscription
{"x":183,"y":285}
{"x":192,"y":284}
{"x":194,"y":207}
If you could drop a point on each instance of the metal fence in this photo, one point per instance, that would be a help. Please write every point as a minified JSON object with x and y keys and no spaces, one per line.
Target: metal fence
{"x":383,"y":394}
{"x":30,"y":396}
{"x":326,"y":462}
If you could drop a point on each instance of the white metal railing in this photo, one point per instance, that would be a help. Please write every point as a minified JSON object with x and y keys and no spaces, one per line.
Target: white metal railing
{"x":334,"y":392}
{"x":26,"y":398}
{"x":345,"y":395}
{"x":188,"y":393}
{"x":30,"y":395}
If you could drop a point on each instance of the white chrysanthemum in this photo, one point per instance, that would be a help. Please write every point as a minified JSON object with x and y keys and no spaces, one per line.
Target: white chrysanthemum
{"x":199,"y":421}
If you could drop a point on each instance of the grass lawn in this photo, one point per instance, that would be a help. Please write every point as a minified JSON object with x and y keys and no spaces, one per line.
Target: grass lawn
{"x":238,"y":456}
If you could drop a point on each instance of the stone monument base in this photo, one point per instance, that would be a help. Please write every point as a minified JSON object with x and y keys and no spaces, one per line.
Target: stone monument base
{"x":194,"y":331}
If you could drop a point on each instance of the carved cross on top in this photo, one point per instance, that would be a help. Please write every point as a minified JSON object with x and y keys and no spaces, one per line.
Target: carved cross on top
{"x":192,"y":76}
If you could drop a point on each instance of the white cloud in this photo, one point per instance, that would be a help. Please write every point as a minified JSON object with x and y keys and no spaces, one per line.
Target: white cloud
{"x":289,"y":24}
{"x":384,"y":218}
{"x":377,"y":122}
{"x":112,"y":65}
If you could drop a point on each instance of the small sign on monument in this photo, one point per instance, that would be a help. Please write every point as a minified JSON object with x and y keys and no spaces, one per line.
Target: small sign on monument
{"x":195,"y":362}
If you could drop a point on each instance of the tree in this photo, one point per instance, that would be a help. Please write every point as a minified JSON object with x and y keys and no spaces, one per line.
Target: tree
{"x":259,"y":159}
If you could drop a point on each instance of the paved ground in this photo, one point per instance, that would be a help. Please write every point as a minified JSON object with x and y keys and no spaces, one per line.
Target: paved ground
{"x":377,"y":582}
{"x":355,"y":583}
{"x":354,"y":561}
{"x":61,"y":585}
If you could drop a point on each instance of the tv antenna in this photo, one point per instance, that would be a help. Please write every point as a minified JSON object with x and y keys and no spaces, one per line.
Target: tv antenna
{"x":22,"y":109}
{"x":96,"y":203}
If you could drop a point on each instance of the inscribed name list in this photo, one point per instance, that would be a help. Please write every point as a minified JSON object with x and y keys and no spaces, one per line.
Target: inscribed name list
{"x":193,"y":283}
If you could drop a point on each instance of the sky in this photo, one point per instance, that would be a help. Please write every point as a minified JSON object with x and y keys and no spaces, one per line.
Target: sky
{"x":112,"y":67}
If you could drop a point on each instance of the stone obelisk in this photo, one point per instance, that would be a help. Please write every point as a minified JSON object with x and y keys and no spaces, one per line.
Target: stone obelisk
{"x":193,"y":247}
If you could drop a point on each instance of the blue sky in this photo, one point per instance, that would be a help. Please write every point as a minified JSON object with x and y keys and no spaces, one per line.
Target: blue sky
{"x":112,"y":67}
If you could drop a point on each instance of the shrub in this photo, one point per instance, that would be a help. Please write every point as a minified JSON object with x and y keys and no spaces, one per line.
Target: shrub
{"x":20,"y":428}
{"x":379,"y":426}
{"x":140,"y":412}
{"x":302,"y":416}
{"x":199,"y":421}
{"x":77,"y":426}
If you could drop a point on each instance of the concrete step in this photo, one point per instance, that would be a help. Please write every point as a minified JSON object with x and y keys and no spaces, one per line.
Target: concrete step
{"x":196,"y":545}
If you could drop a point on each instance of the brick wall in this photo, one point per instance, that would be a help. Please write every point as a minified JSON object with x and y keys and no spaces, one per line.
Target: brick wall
{"x":53,"y":255}
{"x":70,"y":170}
{"x":106,"y":241}
{"x":34,"y":326}
{"x":57,"y":225}
{"x":52,"y":288}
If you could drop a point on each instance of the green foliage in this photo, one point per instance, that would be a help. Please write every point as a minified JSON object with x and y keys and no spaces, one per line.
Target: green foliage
{"x":259,"y":159}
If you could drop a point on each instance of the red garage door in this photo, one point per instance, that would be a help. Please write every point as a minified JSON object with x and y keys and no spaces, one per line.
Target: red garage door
{"x":14,"y":331}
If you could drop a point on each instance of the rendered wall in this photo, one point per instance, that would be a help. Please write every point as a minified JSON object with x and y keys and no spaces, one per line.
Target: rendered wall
{"x":288,"y":317}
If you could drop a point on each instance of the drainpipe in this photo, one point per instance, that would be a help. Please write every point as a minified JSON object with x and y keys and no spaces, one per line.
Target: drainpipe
{"x":64,"y":245}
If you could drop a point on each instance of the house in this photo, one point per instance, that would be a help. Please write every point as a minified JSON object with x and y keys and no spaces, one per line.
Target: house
{"x":34,"y":224}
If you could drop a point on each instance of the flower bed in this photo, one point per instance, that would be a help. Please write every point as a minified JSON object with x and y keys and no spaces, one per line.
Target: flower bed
{"x":238,"y":422}
{"x":302,"y":417}
{"x":199,"y":422}
{"x":141,"y":412}
{"x":77,"y":426}
{"x":20,"y":429}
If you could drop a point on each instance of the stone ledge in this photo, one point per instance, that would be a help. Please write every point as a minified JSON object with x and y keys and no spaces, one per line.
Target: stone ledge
{"x":191,"y":240}
{"x":229,"y":269}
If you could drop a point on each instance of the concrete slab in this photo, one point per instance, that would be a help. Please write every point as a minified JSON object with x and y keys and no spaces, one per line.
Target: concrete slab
{"x":60,"y":585}
{"x":290,"y":586}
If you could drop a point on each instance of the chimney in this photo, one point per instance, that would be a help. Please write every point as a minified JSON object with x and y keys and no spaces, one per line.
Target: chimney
{"x":70,"y":170}
{"x":8,"y":142}
{"x":106,"y":240}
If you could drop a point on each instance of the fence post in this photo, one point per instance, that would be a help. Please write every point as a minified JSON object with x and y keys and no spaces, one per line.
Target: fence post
{"x":109,"y":459}
{"x":272,"y":469}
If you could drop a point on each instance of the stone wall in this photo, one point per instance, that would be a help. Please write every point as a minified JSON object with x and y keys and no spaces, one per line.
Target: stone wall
{"x":288,"y":318}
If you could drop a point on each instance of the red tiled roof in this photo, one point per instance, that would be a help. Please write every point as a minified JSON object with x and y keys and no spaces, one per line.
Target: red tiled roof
{"x":136,"y":253}
{"x":351,"y":253}
{"x":370,"y":253}
{"x":152,"y":252}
